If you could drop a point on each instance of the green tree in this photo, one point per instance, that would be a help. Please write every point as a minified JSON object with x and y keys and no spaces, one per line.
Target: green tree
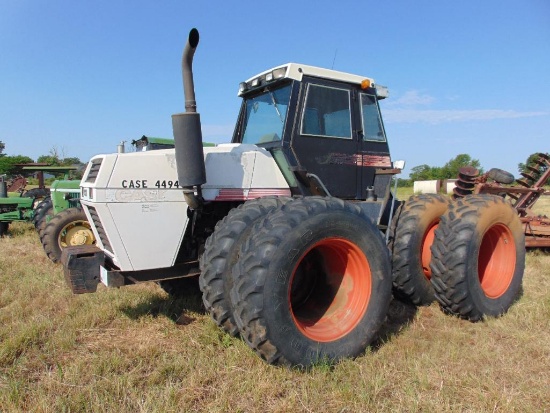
{"x":523,"y":167}
{"x":7,"y":164}
{"x":2,"y":147}
{"x":450,"y":169}
{"x":54,"y":158}
{"x":425,"y":173}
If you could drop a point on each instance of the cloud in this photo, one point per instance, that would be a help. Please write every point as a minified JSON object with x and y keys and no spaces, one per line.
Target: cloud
{"x":412,"y":98}
{"x":435,"y":116}
{"x":415,"y":107}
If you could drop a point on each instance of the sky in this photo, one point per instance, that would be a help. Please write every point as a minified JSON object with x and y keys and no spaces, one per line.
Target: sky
{"x":464,"y":76}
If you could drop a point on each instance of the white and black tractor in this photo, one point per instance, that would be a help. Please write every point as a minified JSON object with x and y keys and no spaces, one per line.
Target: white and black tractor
{"x":285,"y":226}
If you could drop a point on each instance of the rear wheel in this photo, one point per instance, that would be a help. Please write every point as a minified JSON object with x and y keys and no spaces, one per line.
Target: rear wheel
{"x":415,"y":226}
{"x":68,"y":228}
{"x":222,"y":252}
{"x":4,"y":228}
{"x":478,"y":257}
{"x":42,"y":214}
{"x":313,"y":283}
{"x":38,"y":194}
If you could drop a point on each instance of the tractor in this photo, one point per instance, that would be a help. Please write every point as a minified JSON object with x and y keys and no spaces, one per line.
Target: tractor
{"x":292,"y":228}
{"x":22,"y":204}
{"x":60,"y":221}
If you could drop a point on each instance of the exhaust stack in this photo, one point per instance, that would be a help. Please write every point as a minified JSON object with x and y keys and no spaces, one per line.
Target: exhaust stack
{"x":187,"y":131}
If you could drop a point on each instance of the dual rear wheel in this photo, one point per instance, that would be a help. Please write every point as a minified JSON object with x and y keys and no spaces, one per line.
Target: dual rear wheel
{"x":478,"y":257}
{"x":469,"y":254}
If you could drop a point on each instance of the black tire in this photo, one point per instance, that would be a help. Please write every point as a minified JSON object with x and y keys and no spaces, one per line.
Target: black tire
{"x":42,"y":214}
{"x":4,"y":226}
{"x":414,"y":228}
{"x":68,"y":228}
{"x":222,"y":252}
{"x":38,"y":194}
{"x":478,"y":257}
{"x":41,"y":205}
{"x":501,"y":176}
{"x":313,"y":283}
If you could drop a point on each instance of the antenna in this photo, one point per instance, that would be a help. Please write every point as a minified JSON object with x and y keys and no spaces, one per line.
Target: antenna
{"x":334,"y":58}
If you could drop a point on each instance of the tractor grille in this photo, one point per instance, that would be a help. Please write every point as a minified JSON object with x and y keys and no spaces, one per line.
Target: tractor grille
{"x":94,"y":170}
{"x":74,"y":201}
{"x":99,"y":228}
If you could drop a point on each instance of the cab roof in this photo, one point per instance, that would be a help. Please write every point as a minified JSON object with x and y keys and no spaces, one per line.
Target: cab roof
{"x":297,"y":71}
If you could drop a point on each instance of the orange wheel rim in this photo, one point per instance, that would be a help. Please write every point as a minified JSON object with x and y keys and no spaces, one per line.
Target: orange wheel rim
{"x":425,"y":248}
{"x":497,"y":261}
{"x":330,"y":290}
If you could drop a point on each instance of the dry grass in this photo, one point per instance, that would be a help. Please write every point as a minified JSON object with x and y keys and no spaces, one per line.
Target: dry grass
{"x":136,"y":350}
{"x":543,"y":205}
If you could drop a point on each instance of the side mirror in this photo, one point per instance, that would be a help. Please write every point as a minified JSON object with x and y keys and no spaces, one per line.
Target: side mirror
{"x":399,"y":164}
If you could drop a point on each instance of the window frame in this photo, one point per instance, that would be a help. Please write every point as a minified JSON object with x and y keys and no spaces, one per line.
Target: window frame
{"x":380,"y":121}
{"x":304,"y":109}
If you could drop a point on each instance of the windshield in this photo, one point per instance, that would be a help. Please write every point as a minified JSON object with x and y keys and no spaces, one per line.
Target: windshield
{"x":266,"y":115}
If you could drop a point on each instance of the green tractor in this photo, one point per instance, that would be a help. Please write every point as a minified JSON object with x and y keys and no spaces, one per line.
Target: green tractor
{"x":18,"y":204}
{"x":60,"y":221}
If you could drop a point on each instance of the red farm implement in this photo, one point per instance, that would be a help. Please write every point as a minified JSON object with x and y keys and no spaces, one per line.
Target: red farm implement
{"x":523,"y":194}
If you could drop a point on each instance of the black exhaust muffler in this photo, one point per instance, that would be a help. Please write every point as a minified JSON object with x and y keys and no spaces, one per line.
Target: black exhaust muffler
{"x":187,"y":131}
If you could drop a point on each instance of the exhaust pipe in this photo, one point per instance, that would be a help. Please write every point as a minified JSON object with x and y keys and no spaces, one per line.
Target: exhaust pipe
{"x":187,"y":132}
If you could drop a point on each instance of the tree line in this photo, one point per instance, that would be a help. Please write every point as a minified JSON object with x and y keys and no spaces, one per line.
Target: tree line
{"x":55,"y":157}
{"x":426,"y":172}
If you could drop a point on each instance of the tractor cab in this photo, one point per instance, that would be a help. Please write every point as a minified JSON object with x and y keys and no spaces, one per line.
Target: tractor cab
{"x":322,"y":127}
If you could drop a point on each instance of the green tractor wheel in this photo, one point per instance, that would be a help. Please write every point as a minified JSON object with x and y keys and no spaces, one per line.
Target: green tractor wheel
{"x":66,"y":229}
{"x":42,"y":214}
{"x":38,"y":194}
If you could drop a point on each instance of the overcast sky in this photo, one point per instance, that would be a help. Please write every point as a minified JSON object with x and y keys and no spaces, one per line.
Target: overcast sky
{"x":464,"y":76}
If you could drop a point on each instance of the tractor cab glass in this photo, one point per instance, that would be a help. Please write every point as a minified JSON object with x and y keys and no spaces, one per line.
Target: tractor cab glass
{"x":265,"y":115}
{"x":373,"y":129}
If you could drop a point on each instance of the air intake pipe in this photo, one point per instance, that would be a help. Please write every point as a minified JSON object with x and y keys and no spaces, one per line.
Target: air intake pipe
{"x":187,"y":132}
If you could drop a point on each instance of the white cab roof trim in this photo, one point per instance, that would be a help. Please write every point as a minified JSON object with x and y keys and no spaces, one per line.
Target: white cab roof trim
{"x":297,"y":71}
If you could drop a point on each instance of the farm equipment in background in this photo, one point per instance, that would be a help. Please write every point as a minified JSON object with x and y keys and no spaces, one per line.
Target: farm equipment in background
{"x":60,"y":221}
{"x":523,"y":195}
{"x":22,"y":207}
{"x":15,"y":184}
{"x":284,"y":225}
{"x":148,"y":143}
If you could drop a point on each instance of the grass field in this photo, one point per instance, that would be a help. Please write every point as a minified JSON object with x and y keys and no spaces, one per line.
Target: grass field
{"x":137,"y":350}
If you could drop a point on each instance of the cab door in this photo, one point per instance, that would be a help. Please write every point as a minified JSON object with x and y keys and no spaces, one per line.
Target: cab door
{"x":375,"y":151}
{"x":324,"y":141}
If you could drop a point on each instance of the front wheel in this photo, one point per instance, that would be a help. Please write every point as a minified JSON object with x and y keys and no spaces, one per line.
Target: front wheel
{"x":478,"y":257}
{"x":68,"y":228}
{"x":221,"y":254}
{"x":313,"y":283}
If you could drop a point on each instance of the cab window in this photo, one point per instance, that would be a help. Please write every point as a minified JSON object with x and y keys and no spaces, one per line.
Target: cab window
{"x":373,"y":130}
{"x":327,"y":112}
